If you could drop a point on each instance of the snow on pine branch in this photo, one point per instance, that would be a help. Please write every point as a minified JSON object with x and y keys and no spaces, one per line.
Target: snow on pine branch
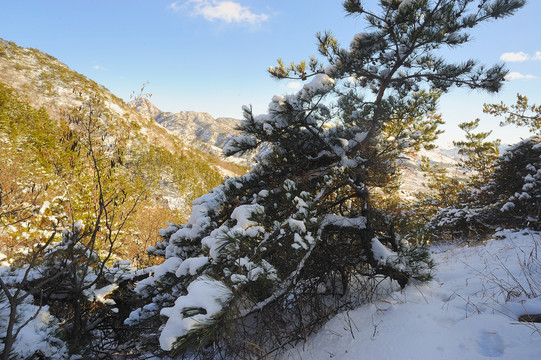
{"x":204,"y":300}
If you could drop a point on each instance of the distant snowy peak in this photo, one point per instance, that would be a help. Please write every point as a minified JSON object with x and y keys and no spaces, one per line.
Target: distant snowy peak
{"x":199,"y":128}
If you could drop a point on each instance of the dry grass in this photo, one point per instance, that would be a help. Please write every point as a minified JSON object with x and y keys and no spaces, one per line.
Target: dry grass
{"x":505,"y":286}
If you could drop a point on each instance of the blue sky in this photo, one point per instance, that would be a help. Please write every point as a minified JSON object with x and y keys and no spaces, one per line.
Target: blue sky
{"x":212,"y":55}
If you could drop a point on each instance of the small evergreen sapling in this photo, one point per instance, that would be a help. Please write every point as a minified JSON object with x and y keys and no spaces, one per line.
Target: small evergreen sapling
{"x":478,"y":154}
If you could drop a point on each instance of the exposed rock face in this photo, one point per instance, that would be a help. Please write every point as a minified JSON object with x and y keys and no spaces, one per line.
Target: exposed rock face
{"x":146,"y":108}
{"x":199,"y":128}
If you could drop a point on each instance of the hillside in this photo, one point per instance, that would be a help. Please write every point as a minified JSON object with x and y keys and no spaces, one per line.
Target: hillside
{"x":48,"y":113}
{"x":46,"y":82}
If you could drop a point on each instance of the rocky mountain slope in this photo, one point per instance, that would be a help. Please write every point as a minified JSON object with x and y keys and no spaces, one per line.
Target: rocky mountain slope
{"x":197,"y":128}
{"x":45,"y":82}
{"x":413,"y":179}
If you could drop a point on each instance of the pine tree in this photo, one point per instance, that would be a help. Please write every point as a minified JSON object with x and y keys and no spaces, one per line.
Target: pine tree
{"x":517,"y":185}
{"x":444,"y":189}
{"x":517,"y":178}
{"x":266,"y":258}
{"x":479,"y":154}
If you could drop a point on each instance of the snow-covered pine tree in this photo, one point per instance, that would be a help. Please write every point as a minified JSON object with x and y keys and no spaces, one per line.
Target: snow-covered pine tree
{"x":510,"y":197}
{"x":266,"y":258}
{"x":452,"y":204}
{"x":517,"y":175}
{"x":517,"y":185}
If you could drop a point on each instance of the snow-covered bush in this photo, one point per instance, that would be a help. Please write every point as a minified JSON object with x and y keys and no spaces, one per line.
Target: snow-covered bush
{"x":517,"y":184}
{"x":63,"y":279}
{"x":61,"y":248}
{"x":462,"y":221}
{"x":39,"y":337}
{"x":511,"y":198}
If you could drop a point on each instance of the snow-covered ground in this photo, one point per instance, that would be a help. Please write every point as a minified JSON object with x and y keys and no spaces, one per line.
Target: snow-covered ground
{"x":469,"y":311}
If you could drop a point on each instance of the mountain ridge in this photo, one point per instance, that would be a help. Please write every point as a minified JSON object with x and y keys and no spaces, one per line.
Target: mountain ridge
{"x":197,"y":128}
{"x":47,"y":82}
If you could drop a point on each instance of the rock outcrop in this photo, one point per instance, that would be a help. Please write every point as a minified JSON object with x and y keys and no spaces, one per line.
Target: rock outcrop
{"x":198,"y":128}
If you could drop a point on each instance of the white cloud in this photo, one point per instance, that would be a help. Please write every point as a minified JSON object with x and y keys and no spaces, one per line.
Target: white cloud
{"x":537,"y":55}
{"x":294,"y":85}
{"x":516,"y":75}
{"x":175,"y":7}
{"x":227,"y":11}
{"x":515,"y":57}
{"x":97,"y":67}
